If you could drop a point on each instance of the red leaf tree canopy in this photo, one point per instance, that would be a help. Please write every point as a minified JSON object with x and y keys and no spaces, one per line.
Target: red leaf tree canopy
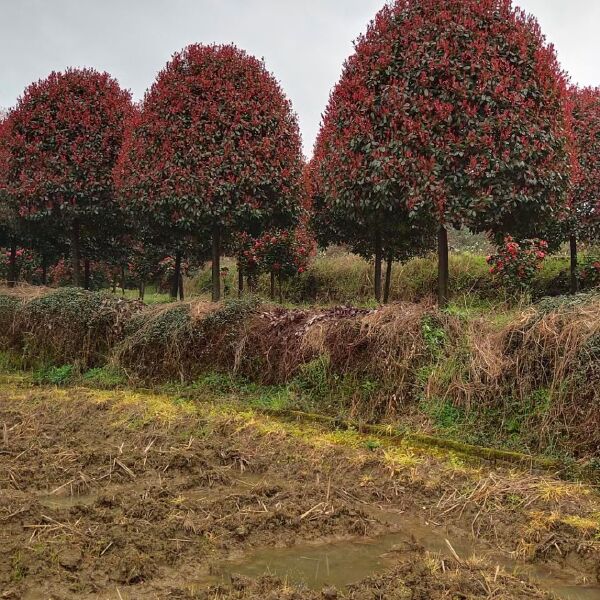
{"x":585,"y":196}
{"x":216,"y":148}
{"x":64,"y":137}
{"x":452,"y":109}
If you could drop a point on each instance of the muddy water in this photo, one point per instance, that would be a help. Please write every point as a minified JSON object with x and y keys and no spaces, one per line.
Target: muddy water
{"x":343,"y":563}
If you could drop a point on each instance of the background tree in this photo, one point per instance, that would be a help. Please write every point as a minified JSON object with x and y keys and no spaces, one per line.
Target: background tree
{"x":583,"y":221}
{"x":9,"y":219}
{"x":215,"y":150}
{"x":371,"y":224}
{"x":452,"y":110}
{"x":64,"y":137}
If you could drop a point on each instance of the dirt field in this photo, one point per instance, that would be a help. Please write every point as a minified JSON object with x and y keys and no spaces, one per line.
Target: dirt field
{"x":127,"y":495}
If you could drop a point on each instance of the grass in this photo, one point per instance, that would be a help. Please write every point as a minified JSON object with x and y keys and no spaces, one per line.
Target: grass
{"x":54,"y":375}
{"x":338,"y":277}
{"x":482,"y":372}
{"x":151,"y":296}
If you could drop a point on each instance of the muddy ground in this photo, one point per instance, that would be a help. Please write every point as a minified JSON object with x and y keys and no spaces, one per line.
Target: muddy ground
{"x":115,"y":494}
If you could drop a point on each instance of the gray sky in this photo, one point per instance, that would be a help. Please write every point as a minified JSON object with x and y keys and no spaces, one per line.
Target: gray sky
{"x":304,"y":42}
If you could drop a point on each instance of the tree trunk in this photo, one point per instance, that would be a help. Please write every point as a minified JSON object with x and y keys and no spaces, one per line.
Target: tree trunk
{"x":175,"y":280}
{"x":86,"y":274}
{"x":280,"y":288}
{"x":44,"y":271}
{"x":378,"y":261}
{"x":240,"y":281}
{"x":75,"y":254}
{"x":122,"y":281}
{"x":114,"y":284}
{"x":142,"y":290}
{"x":181,"y":294}
{"x":272,"y":291}
{"x":216,"y":264}
{"x":388,"y":278}
{"x":443,"y":267}
{"x":12,"y":265}
{"x":574,"y":265}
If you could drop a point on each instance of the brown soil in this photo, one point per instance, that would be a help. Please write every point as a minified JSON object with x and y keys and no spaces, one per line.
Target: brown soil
{"x":122,"y":495}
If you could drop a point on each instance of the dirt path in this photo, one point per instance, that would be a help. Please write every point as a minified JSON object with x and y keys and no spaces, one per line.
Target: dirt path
{"x":125,"y":495}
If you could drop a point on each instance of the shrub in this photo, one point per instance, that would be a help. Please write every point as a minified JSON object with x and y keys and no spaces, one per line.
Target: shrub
{"x":71,"y":325}
{"x":517,"y":263}
{"x":183,"y":341}
{"x":590,"y":272}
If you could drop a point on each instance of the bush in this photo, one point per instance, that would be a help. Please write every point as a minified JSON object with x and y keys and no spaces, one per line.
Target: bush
{"x":71,"y":325}
{"x":517,"y":263}
{"x":590,"y":272}
{"x":183,"y":341}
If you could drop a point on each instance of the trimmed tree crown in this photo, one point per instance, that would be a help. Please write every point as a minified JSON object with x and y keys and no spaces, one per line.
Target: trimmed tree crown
{"x":64,"y":137}
{"x":585,"y":195}
{"x":453,"y":109}
{"x":216,"y":143}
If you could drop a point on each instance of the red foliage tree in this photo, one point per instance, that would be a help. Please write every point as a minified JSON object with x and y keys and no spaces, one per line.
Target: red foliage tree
{"x":64,"y":137}
{"x":8,"y":213}
{"x":584,"y":219}
{"x":452,"y":110}
{"x":215,"y":150}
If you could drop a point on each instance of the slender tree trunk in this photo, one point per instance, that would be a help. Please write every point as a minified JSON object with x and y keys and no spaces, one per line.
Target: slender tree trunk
{"x":388,"y":278}
{"x":251,"y":280}
{"x":443,"y":267}
{"x":12,"y":265}
{"x":142,"y":289}
{"x":216,"y":264}
{"x":44,"y":271}
{"x":175,"y":280}
{"x":114,"y":284}
{"x":240,"y":281}
{"x":280,"y":287}
{"x":574,"y":265}
{"x":75,"y":253}
{"x":378,"y":261}
{"x":181,"y":293}
{"x":122,"y":281}
{"x":272,"y":290}
{"x":86,"y":274}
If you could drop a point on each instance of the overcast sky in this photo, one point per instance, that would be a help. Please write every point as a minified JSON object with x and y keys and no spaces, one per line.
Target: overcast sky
{"x":304,"y":42}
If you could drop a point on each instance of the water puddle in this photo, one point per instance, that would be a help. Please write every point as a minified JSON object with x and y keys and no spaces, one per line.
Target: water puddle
{"x":65,"y":502}
{"x":339,"y":564}
{"x":346,"y":562}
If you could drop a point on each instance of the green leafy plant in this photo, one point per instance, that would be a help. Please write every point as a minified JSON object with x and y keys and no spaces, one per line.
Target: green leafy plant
{"x":54,"y":375}
{"x":105,"y":377}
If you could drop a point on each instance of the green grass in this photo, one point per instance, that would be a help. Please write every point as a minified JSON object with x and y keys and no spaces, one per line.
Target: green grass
{"x":338,"y":277}
{"x":152,"y":296}
{"x":104,"y":377}
{"x":54,"y":375}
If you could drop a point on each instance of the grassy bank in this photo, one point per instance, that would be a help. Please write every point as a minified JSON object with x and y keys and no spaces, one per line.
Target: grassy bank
{"x":524,"y":380}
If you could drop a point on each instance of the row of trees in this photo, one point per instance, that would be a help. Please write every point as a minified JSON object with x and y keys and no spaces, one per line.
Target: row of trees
{"x":450,"y":113}
{"x":455,"y":113}
{"x":212,"y":151}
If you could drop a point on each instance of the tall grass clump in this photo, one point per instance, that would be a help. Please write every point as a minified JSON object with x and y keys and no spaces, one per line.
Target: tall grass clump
{"x":535,"y":379}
